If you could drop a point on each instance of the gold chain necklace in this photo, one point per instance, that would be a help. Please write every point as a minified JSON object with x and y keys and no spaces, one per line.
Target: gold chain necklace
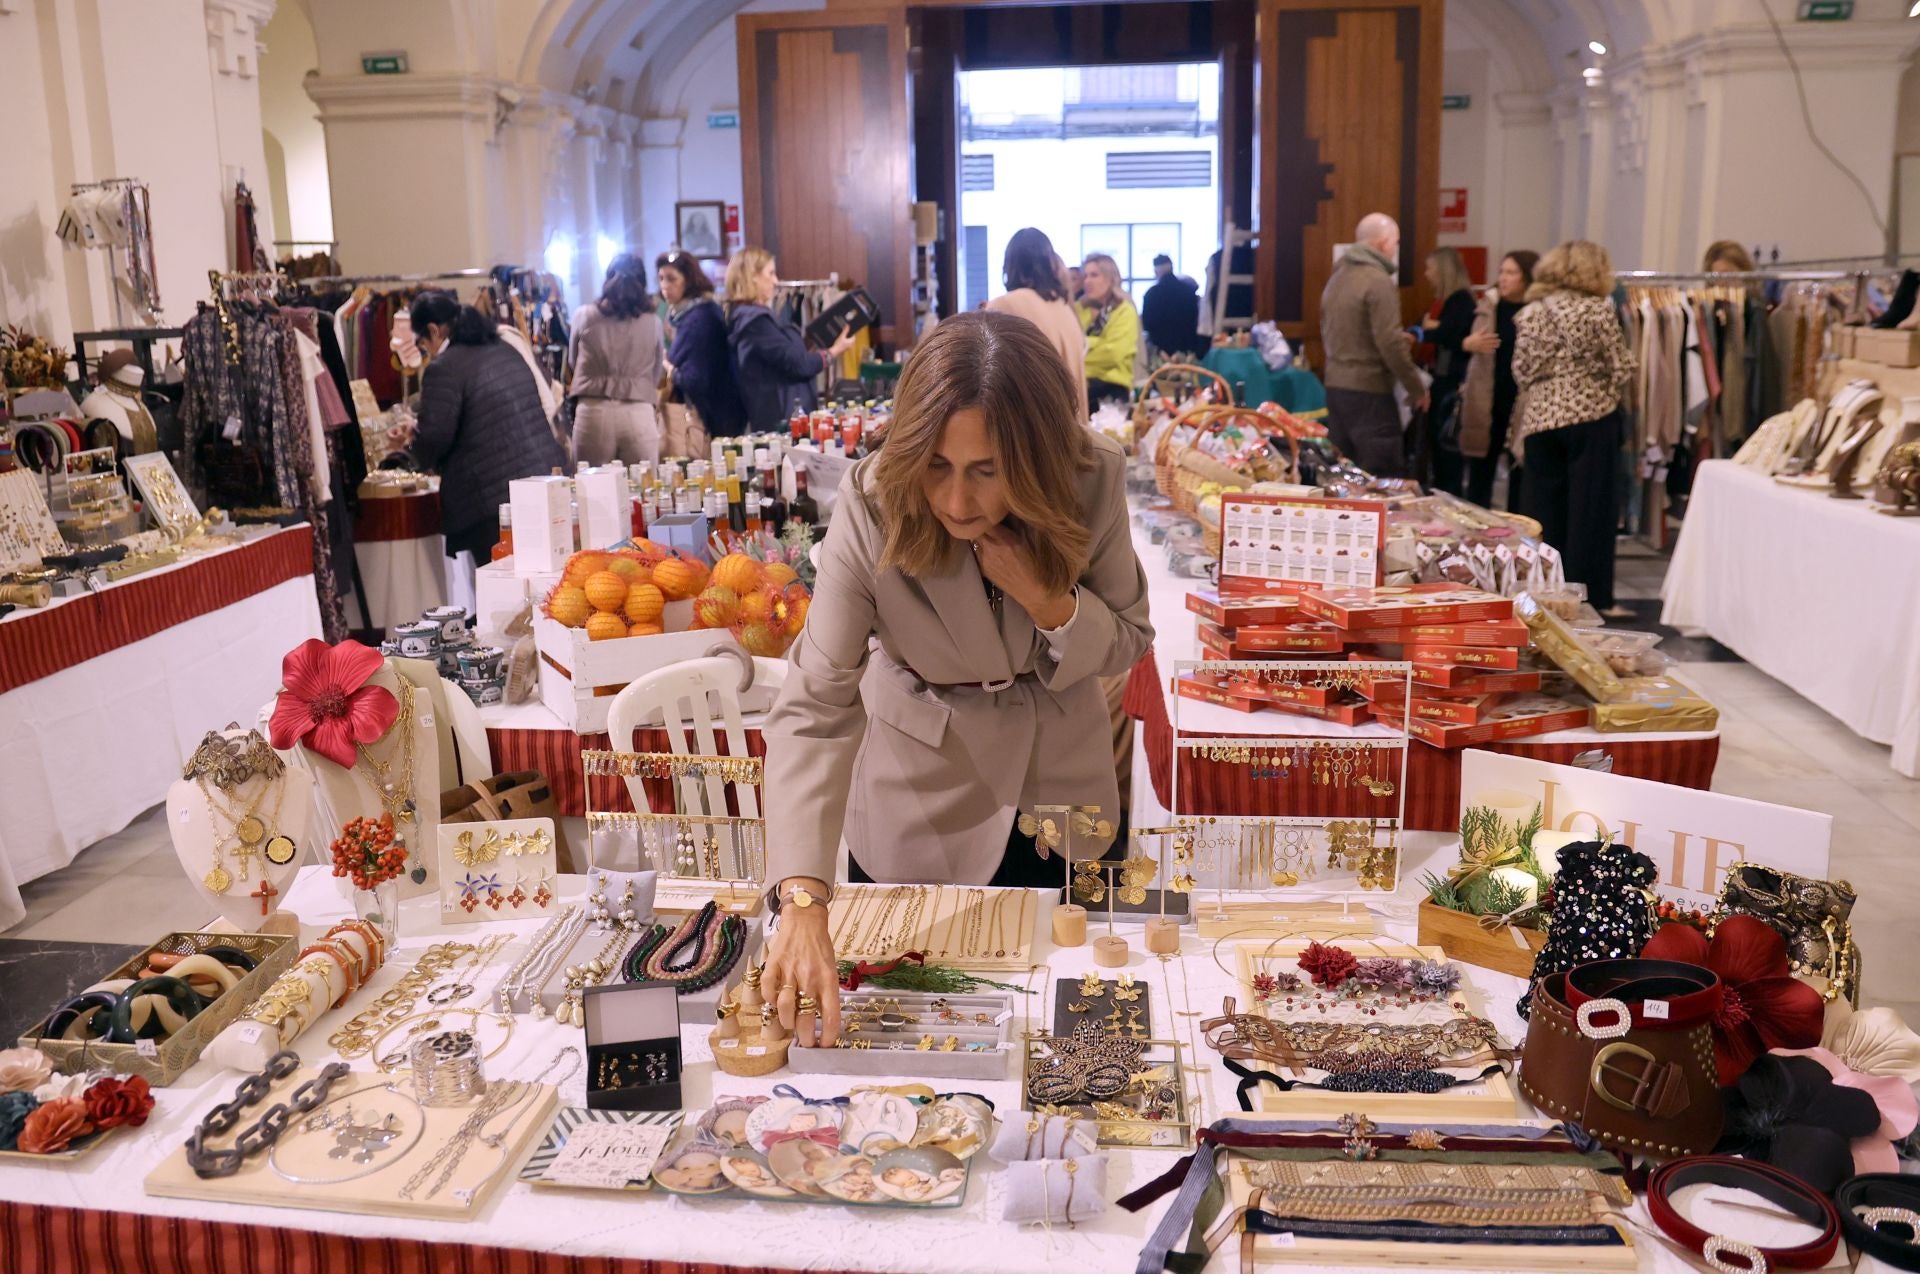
{"x":396,"y":798}
{"x":883,"y":915}
{"x":245,"y":830}
{"x":976,"y":914}
{"x":910,"y":918}
{"x":998,"y":922}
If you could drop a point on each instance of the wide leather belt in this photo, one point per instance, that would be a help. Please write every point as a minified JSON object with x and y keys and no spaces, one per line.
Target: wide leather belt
{"x":1600,"y":1054}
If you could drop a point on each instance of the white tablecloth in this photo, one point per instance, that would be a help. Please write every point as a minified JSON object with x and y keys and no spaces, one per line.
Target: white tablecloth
{"x":658,"y":1226}
{"x":1822,"y":594}
{"x":85,"y":751}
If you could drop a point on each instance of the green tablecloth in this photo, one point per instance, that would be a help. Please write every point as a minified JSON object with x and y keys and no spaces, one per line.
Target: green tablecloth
{"x":1295,"y":389}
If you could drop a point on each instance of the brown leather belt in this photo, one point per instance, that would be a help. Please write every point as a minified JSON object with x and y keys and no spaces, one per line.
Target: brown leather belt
{"x":1624,"y":1049}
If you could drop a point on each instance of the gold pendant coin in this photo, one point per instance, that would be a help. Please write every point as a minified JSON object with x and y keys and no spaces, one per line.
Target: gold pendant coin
{"x":217,"y":879}
{"x":280,"y":850}
{"x":250,"y":830}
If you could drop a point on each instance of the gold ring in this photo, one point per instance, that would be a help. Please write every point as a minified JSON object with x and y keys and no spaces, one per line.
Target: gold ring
{"x":808,"y":1004}
{"x":786,"y":987}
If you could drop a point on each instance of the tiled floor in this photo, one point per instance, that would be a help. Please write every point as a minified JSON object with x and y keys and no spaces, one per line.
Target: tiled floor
{"x":1775,"y":747}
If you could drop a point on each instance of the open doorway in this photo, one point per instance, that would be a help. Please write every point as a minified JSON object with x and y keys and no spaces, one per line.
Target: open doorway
{"x":1123,"y":160}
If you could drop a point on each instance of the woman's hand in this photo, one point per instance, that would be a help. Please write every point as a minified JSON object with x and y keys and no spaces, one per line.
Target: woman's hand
{"x":801,"y":956}
{"x":840,"y":346}
{"x":1004,"y":561}
{"x":1481,"y":343}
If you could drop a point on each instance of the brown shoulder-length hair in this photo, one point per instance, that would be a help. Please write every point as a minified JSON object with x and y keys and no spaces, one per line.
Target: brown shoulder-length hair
{"x":1578,"y":265}
{"x":1003,"y":365}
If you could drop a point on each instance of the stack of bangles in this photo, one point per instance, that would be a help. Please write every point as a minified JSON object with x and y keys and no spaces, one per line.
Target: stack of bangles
{"x":354,"y":949}
{"x":152,"y":1004}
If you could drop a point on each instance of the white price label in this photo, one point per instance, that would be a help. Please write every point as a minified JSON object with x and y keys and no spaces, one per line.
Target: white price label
{"x":1656,"y":1010}
{"x":146,"y":1048}
{"x":1282,"y":1240}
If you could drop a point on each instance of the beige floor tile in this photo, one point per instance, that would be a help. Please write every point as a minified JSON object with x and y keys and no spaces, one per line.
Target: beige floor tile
{"x":125,"y":908}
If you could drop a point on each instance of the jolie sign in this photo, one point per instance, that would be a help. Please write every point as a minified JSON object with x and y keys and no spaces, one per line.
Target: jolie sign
{"x":1692,"y":836}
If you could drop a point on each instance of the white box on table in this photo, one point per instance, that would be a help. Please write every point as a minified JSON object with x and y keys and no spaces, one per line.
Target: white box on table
{"x":542,"y":524}
{"x":579,"y":678}
{"x":684,"y":531}
{"x":606,"y":506}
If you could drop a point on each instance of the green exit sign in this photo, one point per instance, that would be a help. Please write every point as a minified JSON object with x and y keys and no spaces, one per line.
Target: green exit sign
{"x":383,"y":64}
{"x":1456,"y":101}
{"x":1825,"y":10}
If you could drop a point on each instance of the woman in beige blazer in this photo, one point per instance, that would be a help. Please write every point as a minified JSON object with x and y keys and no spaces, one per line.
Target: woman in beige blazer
{"x":977,"y":581}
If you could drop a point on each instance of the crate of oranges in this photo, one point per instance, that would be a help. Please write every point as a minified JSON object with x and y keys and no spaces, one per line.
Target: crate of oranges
{"x":620,"y":613}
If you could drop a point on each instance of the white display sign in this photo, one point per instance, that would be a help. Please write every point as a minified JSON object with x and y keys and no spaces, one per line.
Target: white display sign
{"x":1692,"y":836}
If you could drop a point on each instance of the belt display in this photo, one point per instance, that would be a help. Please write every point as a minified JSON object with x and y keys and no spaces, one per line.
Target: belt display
{"x":1874,"y":1208}
{"x":1624,"y":1049}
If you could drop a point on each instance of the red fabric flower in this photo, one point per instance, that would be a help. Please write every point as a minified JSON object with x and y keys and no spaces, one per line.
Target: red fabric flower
{"x":52,"y":1127}
{"x":113,"y":1102}
{"x":326,"y":702}
{"x":1327,"y":966}
{"x":1762,"y":1006}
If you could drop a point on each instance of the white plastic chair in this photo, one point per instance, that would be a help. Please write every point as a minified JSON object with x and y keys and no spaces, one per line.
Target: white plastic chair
{"x":691,"y":696}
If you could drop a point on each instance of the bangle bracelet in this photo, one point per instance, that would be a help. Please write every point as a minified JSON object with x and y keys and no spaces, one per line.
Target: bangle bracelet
{"x":90,"y":1011}
{"x":176,"y":1005}
{"x":1876,"y":1199}
{"x":208,"y":968}
{"x":346,"y":974}
{"x":233,"y":956}
{"x":335,"y":941}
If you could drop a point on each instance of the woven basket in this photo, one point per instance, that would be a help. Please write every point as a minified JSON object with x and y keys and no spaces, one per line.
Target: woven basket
{"x":163,"y":1065}
{"x":1190,"y":468}
{"x":1183,"y":381}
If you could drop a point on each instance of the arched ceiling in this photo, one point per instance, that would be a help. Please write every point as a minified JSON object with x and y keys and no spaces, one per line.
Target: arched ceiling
{"x":618,"y":51}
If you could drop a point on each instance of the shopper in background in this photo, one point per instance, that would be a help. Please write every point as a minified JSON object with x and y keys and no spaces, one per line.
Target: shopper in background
{"x":480,"y":422}
{"x":1726,"y":256}
{"x":776,"y":369}
{"x":1035,"y":293}
{"x":1571,"y":362}
{"x":1170,"y":311}
{"x":705,"y":398}
{"x":1076,"y":284}
{"x":1112,"y":326}
{"x":1487,"y":395}
{"x":1446,"y":327}
{"x":977,"y":578}
{"x":1366,"y":351}
{"x":617,"y":356}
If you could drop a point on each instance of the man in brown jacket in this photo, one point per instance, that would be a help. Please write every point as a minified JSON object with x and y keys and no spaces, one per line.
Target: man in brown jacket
{"x":1366,"y":351}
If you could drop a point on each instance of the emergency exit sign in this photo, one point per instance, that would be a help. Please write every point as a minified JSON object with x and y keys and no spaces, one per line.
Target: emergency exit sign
{"x":1825,"y":10}
{"x":383,"y":63}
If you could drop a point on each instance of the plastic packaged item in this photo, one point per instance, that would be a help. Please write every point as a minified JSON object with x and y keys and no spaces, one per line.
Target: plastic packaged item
{"x":1560,"y":642}
{"x":1628,"y":653}
{"x":1656,"y":703}
{"x":1563,"y":600}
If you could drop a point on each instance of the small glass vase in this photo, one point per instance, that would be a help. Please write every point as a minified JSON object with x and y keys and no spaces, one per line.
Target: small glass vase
{"x":380,"y":907}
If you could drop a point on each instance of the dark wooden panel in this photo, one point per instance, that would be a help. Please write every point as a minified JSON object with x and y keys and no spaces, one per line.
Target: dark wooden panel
{"x":823,"y":148}
{"x":1349,"y":123}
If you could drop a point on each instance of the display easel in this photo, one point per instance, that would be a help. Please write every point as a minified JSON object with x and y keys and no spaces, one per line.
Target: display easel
{"x":1331,"y":755}
{"x":706,"y":854}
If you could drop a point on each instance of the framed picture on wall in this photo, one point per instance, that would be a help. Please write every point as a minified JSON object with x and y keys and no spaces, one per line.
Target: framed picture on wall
{"x":700,"y":226}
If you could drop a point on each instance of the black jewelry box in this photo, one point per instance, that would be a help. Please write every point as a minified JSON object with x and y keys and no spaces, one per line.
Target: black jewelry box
{"x":633,"y":1046}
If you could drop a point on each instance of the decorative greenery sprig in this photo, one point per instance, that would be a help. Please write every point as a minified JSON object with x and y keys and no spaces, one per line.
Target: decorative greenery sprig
{"x":936,"y":978}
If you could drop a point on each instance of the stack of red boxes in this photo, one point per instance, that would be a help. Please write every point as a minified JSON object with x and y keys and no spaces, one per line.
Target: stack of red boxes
{"x":1474,"y":681}
{"x":1269,"y":628}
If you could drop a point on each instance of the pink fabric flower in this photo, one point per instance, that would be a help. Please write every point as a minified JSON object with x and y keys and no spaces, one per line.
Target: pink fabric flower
{"x":1899,"y":1111}
{"x":326,"y":702}
{"x":23,"y":1069}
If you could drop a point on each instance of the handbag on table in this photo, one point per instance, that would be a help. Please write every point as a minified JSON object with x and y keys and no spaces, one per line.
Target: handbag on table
{"x":1812,"y":915}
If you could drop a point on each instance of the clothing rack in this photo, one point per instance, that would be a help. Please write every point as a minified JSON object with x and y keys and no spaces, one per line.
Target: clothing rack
{"x":356,"y":280}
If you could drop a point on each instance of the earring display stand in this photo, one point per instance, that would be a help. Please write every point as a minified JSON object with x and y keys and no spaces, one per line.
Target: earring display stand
{"x":1363,"y":769}
{"x":698,"y":856}
{"x":497,"y":871}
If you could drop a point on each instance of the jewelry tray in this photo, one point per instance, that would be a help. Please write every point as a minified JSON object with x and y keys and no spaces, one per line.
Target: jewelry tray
{"x":1067,"y":991}
{"x":988,"y":1064}
{"x":1127,"y":1134}
{"x":177,"y":1053}
{"x":481,"y":1172}
{"x":938,"y":931}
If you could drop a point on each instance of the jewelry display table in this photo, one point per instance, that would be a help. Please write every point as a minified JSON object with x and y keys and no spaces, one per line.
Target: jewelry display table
{"x":53,"y":1215}
{"x":1822,"y":594}
{"x":402,"y":555}
{"x":105,"y":695}
{"x":1433,"y":774}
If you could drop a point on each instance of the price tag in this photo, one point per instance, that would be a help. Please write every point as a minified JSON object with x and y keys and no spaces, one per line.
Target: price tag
{"x":231,"y":430}
{"x":1655,"y":1010}
{"x":1282,"y":1240}
{"x":756,"y":1050}
{"x":426,"y":719}
{"x":1001,"y":1018}
{"x":250,"y":1032}
{"x":146,"y":1048}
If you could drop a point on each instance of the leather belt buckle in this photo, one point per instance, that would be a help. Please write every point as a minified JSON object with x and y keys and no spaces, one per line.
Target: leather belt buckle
{"x":1646,"y":1082}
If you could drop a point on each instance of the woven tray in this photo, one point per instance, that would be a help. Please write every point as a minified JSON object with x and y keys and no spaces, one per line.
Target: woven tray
{"x":162,"y":1065}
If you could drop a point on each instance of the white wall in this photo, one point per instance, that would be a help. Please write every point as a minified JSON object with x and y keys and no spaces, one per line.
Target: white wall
{"x":297,"y":145}
{"x":1468,"y":148}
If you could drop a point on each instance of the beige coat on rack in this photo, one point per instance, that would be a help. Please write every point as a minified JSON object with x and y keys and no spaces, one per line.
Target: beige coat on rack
{"x":947,"y":760}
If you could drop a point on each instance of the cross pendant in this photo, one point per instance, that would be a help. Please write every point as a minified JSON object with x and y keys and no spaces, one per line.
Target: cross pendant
{"x":242,"y":854}
{"x":264,"y":892}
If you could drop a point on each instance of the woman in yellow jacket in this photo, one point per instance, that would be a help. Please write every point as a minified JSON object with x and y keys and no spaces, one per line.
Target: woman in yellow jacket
{"x":1112,"y":326}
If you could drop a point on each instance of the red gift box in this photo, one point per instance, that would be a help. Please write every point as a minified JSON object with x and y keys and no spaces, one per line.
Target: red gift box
{"x":1403,"y":607}
{"x":1462,"y":710}
{"x":1207,"y":690}
{"x":1490,"y":632}
{"x":1474,"y":680}
{"x":1502,"y":658}
{"x":1519,"y":717}
{"x":1240,"y":611}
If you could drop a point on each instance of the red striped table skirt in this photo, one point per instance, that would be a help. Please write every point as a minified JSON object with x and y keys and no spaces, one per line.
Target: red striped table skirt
{"x":51,"y":1240}
{"x":1433,"y":774}
{"x":397,"y":517}
{"x":556,"y":754}
{"x":38,"y":645}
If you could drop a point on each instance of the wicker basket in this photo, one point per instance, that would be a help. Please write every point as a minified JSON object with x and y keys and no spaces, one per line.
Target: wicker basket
{"x":162,"y":1065}
{"x":1183,"y":381}
{"x":1190,"y":469}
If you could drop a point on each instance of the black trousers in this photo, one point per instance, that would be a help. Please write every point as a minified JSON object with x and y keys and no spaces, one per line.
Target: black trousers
{"x":1020,"y":868}
{"x":1572,"y":492}
{"x":1481,"y":470}
{"x":1100,"y":391}
{"x":1366,"y":429}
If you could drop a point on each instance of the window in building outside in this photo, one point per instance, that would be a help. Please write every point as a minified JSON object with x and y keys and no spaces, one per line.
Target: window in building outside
{"x":1134,"y":247}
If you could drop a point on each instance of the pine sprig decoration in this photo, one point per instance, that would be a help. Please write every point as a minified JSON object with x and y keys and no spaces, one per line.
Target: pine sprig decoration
{"x":1481,"y":833}
{"x":937,"y":978}
{"x":1442,"y":892}
{"x":1486,"y":896}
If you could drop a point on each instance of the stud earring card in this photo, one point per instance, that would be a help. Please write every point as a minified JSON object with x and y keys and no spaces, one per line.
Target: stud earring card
{"x":497,"y":871}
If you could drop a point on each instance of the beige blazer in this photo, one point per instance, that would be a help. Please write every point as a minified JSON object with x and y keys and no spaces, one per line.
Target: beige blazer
{"x":1059,"y":324}
{"x":920,"y":722}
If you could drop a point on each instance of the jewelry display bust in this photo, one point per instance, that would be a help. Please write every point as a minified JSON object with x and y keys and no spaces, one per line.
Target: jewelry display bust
{"x":117,"y":401}
{"x":239,"y":821}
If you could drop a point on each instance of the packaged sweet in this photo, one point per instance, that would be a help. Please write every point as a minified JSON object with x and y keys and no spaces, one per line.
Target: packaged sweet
{"x":1563,"y":644}
{"x":1656,"y":704}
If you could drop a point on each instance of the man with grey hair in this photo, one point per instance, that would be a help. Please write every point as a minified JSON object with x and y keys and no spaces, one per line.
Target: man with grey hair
{"x":1366,"y":351}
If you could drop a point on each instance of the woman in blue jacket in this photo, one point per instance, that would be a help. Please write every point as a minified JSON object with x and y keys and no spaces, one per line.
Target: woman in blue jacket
{"x":698,"y":354}
{"x":776,"y":369}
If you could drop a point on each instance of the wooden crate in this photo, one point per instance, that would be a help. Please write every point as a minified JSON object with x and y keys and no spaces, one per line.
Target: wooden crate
{"x":1506,"y":949}
{"x":579,"y":678}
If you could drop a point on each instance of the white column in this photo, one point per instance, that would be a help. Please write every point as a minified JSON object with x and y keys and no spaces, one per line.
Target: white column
{"x":233,"y":53}
{"x":657,"y":161}
{"x":1524,"y":195}
{"x":588,"y":152}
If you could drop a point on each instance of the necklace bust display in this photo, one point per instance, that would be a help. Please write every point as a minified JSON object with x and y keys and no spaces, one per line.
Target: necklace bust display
{"x":118,"y":401}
